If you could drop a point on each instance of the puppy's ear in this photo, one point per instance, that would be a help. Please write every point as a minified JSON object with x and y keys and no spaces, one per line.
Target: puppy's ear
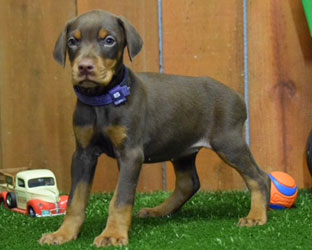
{"x":59,"y":52}
{"x":60,"y":48}
{"x":133,"y":40}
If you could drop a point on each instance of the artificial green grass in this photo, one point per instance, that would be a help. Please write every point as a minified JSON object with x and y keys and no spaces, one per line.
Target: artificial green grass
{"x":208,"y":221}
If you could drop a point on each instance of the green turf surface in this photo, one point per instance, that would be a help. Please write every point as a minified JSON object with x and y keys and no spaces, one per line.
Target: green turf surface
{"x":208,"y":221}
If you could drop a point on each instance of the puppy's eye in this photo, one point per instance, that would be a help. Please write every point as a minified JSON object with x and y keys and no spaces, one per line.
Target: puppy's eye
{"x":109,"y":41}
{"x":72,"y":42}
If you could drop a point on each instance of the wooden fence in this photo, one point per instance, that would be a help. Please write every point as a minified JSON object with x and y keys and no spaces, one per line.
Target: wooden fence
{"x":200,"y":37}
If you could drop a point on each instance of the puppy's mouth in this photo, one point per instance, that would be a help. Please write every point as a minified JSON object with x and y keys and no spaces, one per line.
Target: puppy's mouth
{"x":91,"y":80}
{"x":91,"y":73}
{"x":87,"y":82}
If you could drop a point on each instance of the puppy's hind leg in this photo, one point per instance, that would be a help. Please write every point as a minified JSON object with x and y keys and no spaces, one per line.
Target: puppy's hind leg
{"x":187,"y":184}
{"x":232,"y":148}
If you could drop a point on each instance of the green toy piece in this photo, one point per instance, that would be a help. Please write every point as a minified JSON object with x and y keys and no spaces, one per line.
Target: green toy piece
{"x":307,"y":5}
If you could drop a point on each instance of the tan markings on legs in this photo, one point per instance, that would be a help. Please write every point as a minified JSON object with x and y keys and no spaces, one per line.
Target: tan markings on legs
{"x":84,"y":135}
{"x":117,"y":134}
{"x":117,"y":226}
{"x":183,"y":191}
{"x":74,"y":218}
{"x":258,"y":211}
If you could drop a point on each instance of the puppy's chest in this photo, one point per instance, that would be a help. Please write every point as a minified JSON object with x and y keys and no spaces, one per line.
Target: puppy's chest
{"x":103,"y":128}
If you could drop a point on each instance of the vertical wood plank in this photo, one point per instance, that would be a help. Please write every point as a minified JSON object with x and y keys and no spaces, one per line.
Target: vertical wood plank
{"x":143,"y":16}
{"x":205,"y":38}
{"x":200,"y":38}
{"x":36,"y":94}
{"x":280,"y":86}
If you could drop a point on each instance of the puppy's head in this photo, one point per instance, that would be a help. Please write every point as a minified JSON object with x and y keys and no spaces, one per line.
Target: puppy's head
{"x":95,"y":42}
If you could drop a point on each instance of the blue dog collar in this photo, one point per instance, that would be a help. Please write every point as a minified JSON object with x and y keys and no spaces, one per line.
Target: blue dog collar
{"x":116,"y":95}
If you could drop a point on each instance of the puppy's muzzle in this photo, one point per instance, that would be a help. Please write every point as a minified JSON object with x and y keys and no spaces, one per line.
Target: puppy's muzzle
{"x":86,"y":68}
{"x":86,"y":73}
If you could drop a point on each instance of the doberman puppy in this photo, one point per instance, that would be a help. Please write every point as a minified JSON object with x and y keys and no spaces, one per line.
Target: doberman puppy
{"x":144,"y":117}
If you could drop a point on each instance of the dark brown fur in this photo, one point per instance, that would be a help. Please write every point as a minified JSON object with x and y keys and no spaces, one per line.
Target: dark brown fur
{"x":166,"y":117}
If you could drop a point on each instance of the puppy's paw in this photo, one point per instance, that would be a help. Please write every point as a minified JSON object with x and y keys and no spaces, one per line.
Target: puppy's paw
{"x":251,"y":222}
{"x":56,"y":238}
{"x":113,"y":239}
{"x":149,"y":212}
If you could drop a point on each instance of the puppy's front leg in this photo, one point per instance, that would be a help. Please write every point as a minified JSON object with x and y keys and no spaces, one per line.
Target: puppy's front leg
{"x":120,"y":209}
{"x":83,"y":168}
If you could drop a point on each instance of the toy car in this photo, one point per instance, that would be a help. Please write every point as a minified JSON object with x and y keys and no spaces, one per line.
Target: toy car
{"x":32,"y":192}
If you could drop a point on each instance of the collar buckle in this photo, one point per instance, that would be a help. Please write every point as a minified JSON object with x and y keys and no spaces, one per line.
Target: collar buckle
{"x":119,"y":94}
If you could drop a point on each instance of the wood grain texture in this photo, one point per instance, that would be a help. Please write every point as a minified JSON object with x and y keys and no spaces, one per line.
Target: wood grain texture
{"x":205,"y":38}
{"x":280,"y":86}
{"x":201,"y":38}
{"x":36,"y":95}
{"x":143,"y":15}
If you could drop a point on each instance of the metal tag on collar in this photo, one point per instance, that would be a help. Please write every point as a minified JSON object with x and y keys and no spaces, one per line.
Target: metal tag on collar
{"x":119,"y":94}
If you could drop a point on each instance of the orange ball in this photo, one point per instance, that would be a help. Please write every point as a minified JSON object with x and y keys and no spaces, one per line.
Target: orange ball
{"x":284,"y":190}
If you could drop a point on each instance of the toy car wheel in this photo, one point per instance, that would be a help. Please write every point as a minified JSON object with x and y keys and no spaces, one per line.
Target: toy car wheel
{"x":11,"y":200}
{"x":1,"y":202}
{"x":31,"y":212}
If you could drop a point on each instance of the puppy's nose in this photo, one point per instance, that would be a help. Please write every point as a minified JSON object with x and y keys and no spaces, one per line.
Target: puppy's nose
{"x":86,"y":66}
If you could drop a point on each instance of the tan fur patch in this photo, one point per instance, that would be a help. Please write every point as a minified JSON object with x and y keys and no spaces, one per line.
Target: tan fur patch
{"x":103,"y":33}
{"x":104,"y":70}
{"x":74,"y":218}
{"x":117,"y":134}
{"x":119,"y":216}
{"x":84,"y":135}
{"x":75,"y":214}
{"x":117,"y":226}
{"x":78,"y":35}
{"x":103,"y":73}
{"x":258,"y":210}
{"x":109,"y":66}
{"x":109,"y":63}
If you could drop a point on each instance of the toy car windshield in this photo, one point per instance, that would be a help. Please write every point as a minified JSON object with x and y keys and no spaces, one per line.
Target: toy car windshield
{"x":38,"y":182}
